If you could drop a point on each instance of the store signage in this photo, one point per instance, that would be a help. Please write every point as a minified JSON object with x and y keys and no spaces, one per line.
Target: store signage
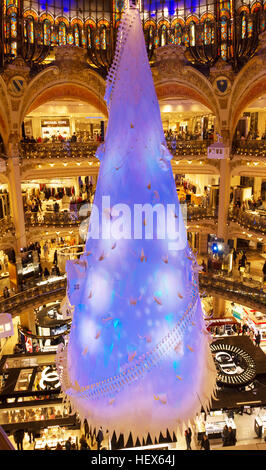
{"x":6,"y":325}
{"x":234,"y":366}
{"x":49,"y":379}
{"x":55,"y":123}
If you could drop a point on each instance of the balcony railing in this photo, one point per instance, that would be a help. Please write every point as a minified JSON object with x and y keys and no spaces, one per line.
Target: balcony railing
{"x":252,"y":148}
{"x":52,"y":150}
{"x":252,"y":220}
{"x":244,"y":293}
{"x":39,"y":219}
{"x":200,"y":212}
{"x":53,"y":285}
{"x":6,"y":225}
{"x":249,"y":293}
{"x":189,"y":148}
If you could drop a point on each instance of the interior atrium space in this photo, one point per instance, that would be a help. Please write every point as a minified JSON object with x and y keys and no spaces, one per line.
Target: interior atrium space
{"x":121,"y":329}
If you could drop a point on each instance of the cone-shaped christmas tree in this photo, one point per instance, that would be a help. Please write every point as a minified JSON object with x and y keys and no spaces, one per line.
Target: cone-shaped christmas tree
{"x":138,"y":357}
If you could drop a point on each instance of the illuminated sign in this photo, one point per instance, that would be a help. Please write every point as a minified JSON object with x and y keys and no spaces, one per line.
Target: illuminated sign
{"x":234,"y":365}
{"x":49,"y":379}
{"x":55,"y":123}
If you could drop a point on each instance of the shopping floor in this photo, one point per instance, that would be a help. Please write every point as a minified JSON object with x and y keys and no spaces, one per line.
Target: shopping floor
{"x":246,"y":437}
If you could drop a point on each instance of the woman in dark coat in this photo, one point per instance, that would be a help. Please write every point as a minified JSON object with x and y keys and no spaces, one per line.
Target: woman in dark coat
{"x":205,"y":443}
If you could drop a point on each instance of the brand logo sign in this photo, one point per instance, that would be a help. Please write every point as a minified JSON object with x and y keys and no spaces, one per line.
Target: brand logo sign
{"x":234,"y":365}
{"x":49,"y":379}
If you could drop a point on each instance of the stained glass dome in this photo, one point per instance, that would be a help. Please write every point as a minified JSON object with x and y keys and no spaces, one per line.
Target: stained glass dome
{"x":208,"y":29}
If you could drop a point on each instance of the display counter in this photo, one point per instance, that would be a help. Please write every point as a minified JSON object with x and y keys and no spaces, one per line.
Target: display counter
{"x":51,"y":437}
{"x":213,"y":426}
{"x":221,"y":327}
{"x":260,"y":425}
{"x":255,"y":320}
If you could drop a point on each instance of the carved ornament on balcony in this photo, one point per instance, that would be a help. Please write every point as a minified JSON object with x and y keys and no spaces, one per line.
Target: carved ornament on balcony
{"x":169,"y":60}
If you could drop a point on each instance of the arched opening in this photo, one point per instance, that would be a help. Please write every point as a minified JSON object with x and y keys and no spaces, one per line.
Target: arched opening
{"x":253,"y":92}
{"x":61,"y":130}
{"x":189,"y":127}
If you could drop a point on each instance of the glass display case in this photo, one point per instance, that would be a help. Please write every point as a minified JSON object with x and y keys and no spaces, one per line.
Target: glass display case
{"x":51,"y":436}
{"x":260,"y":424}
{"x":213,"y":424}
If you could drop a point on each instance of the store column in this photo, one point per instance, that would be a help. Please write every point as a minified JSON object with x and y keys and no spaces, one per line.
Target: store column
{"x":257,"y":187}
{"x":203,"y":243}
{"x":28,"y":321}
{"x":224,"y":198}
{"x":218,"y":307}
{"x":16,"y":194}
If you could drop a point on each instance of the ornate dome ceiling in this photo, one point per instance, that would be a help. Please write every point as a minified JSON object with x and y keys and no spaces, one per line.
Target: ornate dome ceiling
{"x":208,"y":29}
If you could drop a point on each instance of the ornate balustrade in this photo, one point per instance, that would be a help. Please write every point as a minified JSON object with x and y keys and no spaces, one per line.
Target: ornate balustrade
{"x":6,"y":225}
{"x":253,"y":220}
{"x":250,"y":148}
{"x":52,"y":150}
{"x":200,"y":212}
{"x":38,"y":292}
{"x":189,"y":148}
{"x":56,"y":219}
{"x":247,"y":293}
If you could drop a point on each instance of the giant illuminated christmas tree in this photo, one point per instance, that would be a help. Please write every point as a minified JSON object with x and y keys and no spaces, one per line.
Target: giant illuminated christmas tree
{"x":138,"y":357}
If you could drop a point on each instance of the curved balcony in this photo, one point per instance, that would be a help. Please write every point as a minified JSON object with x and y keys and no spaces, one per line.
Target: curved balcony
{"x":195,"y":213}
{"x":68,"y":150}
{"x":53,"y":150}
{"x":189,"y":148}
{"x":55,"y":287}
{"x":252,"y":220}
{"x":7,"y":225}
{"x":250,"y":148}
{"x":55,"y":219}
{"x":249,"y":294}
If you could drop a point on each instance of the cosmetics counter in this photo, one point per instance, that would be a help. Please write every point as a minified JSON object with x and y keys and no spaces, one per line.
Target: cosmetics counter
{"x":260,"y":424}
{"x":222,"y":326}
{"x":255,"y":320}
{"x":53,"y":435}
{"x":213,"y":425}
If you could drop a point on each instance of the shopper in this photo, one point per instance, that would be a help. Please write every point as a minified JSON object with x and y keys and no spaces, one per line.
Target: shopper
{"x":225,"y":436}
{"x":18,"y":438}
{"x":188,"y":437}
{"x":58,"y":446}
{"x":205,"y":443}
{"x":83,"y":443}
{"x":99,"y":438}
{"x":231,"y":439}
{"x":32,"y":434}
{"x":68,"y":444}
{"x":46,"y":272}
{"x":55,"y":257}
{"x":257,"y":339}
